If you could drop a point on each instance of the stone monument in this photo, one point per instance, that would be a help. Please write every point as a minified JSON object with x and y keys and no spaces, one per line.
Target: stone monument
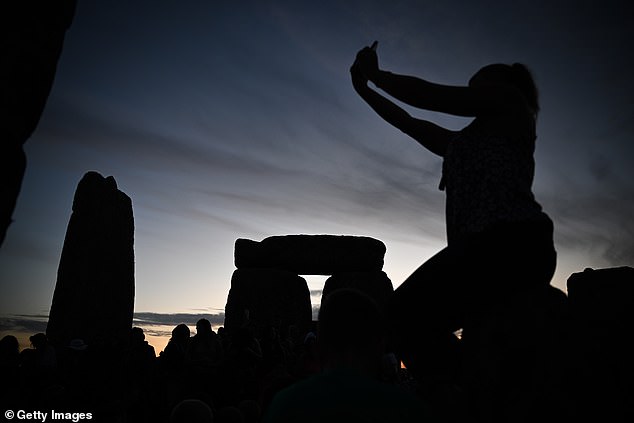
{"x":94,"y":293}
{"x":267,"y":287}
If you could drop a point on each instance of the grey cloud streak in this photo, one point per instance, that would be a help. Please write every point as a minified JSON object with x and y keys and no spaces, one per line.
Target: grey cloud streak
{"x":599,"y":223}
{"x":363,"y":178}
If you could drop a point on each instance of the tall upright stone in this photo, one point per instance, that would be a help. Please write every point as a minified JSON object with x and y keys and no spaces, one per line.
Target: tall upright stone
{"x":602,"y":315}
{"x":94,"y":293}
{"x":276,"y":298}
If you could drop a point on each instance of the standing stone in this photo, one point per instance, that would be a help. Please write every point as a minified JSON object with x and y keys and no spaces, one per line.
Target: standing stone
{"x":94,"y":293}
{"x":602,"y":315}
{"x":272,"y":298}
{"x":603,"y":296}
{"x":311,"y":254}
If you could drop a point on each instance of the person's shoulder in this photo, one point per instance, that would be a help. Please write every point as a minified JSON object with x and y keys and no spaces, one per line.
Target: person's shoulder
{"x":331,"y":394}
{"x":294,"y":402}
{"x":311,"y":386}
{"x":509,"y":125}
{"x":149,"y":348}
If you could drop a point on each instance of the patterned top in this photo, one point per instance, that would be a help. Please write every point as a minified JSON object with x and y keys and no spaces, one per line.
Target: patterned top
{"x":488,"y":180}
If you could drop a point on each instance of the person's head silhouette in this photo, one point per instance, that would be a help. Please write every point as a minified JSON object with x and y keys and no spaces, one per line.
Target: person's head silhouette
{"x":137,"y":336}
{"x":203,"y":327}
{"x":351,"y":331}
{"x":516,"y":75}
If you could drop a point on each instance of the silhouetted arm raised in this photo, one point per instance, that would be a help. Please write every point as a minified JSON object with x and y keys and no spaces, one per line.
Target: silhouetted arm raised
{"x":429,"y":135}
{"x":468,"y":101}
{"x":417,"y":92}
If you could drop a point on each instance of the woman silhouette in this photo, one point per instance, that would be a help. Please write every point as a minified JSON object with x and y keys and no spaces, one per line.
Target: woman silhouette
{"x":499,"y":241}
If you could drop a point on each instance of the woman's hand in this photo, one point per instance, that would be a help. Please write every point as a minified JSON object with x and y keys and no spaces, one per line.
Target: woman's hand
{"x":368,"y":62}
{"x":359,"y":81}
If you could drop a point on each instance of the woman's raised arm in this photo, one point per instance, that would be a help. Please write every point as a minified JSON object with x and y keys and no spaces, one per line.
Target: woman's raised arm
{"x":429,"y":135}
{"x":468,"y":101}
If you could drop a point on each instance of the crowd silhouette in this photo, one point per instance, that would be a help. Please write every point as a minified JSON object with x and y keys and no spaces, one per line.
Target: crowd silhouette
{"x":530,"y":361}
{"x":210,"y":376}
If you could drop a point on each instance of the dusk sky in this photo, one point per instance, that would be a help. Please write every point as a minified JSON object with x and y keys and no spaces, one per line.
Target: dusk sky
{"x":225,"y":120}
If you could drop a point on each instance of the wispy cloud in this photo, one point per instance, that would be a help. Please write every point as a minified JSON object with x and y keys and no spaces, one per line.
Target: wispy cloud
{"x":595,"y":220}
{"x":156,"y":319}
{"x":23,"y":323}
{"x":363,"y":179}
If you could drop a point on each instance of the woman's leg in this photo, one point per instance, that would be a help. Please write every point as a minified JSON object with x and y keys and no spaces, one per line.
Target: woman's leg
{"x":424,"y":312}
{"x":502,"y":329}
{"x":463,"y":284}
